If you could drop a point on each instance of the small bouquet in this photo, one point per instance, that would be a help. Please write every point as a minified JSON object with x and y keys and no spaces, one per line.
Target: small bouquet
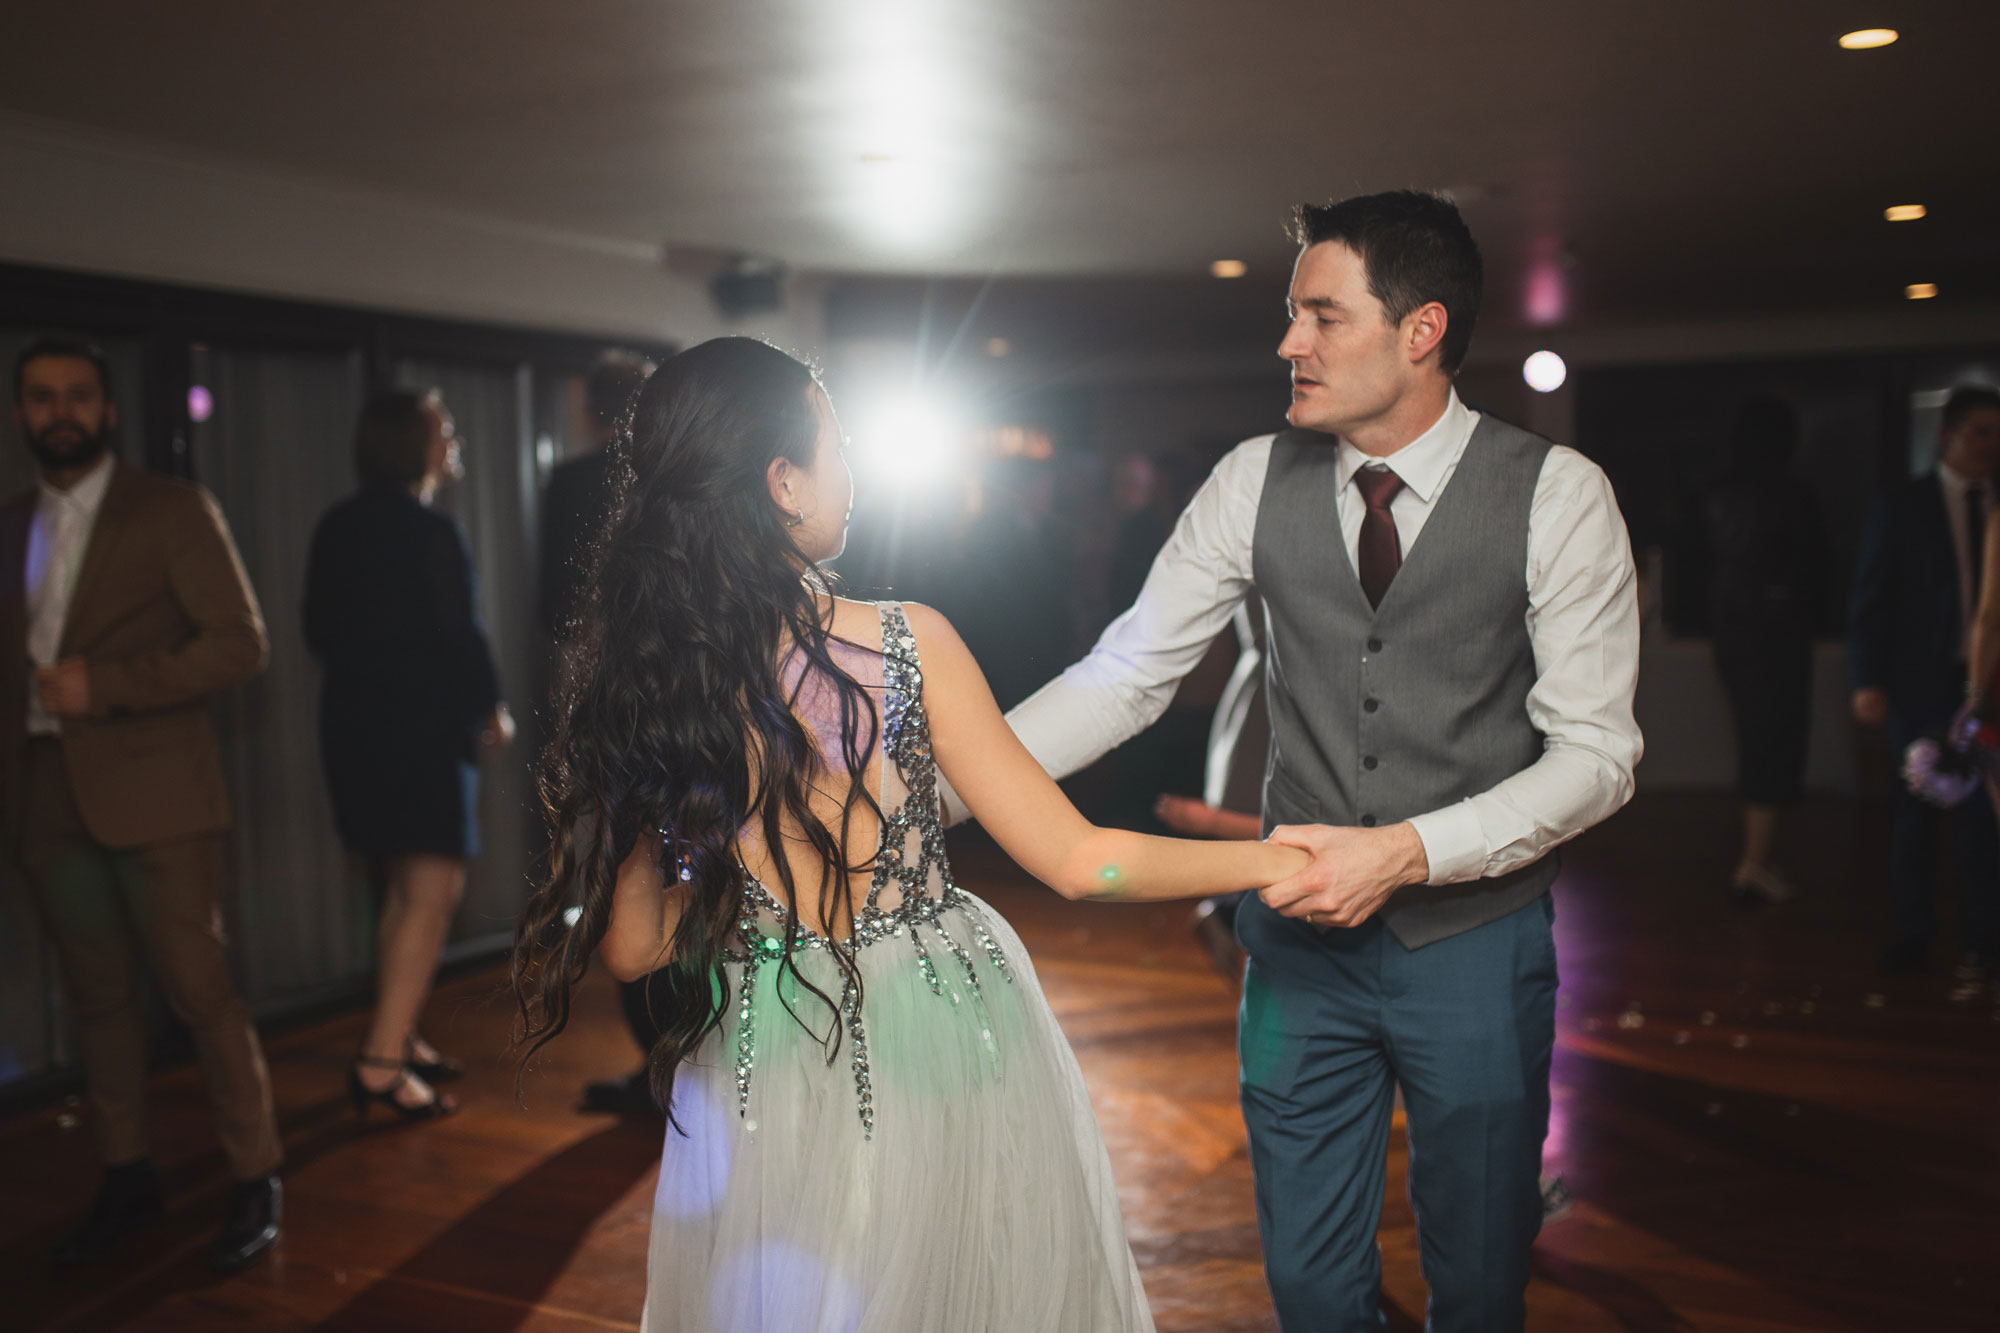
{"x":1946,"y":766}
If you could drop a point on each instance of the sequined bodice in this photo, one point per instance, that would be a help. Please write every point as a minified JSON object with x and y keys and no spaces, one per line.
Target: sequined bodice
{"x":911,"y":895}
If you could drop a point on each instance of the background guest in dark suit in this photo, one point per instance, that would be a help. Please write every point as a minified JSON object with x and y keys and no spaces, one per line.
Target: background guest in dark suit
{"x":1915,"y":585}
{"x":1976,"y":412}
{"x":1769,"y":556}
{"x":573,"y":512}
{"x":579,"y":492}
{"x":124,"y":594}
{"x":411,"y":698}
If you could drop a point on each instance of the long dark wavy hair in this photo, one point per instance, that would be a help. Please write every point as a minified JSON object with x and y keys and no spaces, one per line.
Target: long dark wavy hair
{"x":674,"y":727}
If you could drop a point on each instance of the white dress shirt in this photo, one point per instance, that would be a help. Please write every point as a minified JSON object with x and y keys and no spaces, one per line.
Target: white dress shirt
{"x":1582,"y":619}
{"x":1955,"y":488}
{"x":57,"y":540}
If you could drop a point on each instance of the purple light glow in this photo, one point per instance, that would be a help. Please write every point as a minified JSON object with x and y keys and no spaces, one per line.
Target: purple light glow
{"x":201,"y":403}
{"x":1548,"y":298}
{"x":694,"y":1169}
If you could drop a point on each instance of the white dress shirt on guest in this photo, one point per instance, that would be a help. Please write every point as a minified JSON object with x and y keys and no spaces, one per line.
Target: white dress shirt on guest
{"x":1582,"y":619}
{"x":57,"y":541}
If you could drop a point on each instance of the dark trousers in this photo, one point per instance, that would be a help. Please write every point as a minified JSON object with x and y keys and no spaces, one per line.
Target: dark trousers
{"x":104,"y":908}
{"x":1331,"y":1024}
{"x":639,"y":1021}
{"x":1913,"y":868}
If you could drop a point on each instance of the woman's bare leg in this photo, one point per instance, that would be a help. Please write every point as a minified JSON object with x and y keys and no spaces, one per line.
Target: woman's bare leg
{"x":1760,"y":832}
{"x":423,"y":894}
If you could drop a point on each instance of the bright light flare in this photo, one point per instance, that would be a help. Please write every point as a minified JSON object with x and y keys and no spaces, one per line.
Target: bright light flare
{"x":1920,"y":291}
{"x":1544,"y":372}
{"x":1228,"y":268}
{"x":901,"y":104}
{"x":916,"y":439}
{"x":1868,"y":39}
{"x":1904,"y":212}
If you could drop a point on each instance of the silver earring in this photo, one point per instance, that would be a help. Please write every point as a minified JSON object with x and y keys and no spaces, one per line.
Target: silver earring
{"x":798,"y":517}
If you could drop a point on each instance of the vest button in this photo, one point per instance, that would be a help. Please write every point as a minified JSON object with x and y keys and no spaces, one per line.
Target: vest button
{"x":1367,"y":821}
{"x":1369,"y":763}
{"x":1370,"y":705}
{"x":1374,"y":645}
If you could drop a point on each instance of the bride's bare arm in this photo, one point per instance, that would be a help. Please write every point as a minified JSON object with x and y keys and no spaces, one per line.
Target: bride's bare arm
{"x":644,"y":913}
{"x":1020,"y":805}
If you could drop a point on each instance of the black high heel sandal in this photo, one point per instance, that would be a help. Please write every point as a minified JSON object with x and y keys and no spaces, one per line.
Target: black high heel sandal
{"x":444,"y":1069}
{"x":363,"y":1096}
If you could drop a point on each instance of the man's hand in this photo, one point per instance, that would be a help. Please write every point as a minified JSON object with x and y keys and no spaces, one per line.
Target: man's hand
{"x":1871,"y":706}
{"x":64,"y":689}
{"x":1353,"y":871}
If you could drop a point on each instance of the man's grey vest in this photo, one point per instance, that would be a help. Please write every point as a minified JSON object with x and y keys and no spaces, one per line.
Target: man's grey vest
{"x":1381,"y":714}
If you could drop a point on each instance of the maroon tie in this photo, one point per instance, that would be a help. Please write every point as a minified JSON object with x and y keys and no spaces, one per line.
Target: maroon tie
{"x":1381,"y":550}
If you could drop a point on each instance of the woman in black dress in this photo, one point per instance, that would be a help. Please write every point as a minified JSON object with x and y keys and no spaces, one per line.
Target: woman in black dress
{"x":1769,"y":578}
{"x":411,"y":698}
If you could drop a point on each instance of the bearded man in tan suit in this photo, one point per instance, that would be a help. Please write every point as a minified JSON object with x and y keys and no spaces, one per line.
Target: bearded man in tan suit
{"x":123,"y":608}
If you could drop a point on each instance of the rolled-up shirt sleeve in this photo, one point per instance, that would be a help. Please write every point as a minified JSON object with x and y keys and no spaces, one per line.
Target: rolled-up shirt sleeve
{"x":1583,"y":622}
{"x":1129,"y":677}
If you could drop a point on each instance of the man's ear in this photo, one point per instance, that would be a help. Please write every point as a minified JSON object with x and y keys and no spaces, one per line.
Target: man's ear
{"x":1425,"y":329}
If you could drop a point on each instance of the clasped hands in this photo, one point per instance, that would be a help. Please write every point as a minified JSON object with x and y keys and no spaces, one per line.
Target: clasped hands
{"x":1352,"y":873}
{"x":63,"y":690}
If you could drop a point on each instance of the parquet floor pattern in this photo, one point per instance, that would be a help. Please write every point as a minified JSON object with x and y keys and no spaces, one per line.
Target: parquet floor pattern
{"x":1762,"y":1134}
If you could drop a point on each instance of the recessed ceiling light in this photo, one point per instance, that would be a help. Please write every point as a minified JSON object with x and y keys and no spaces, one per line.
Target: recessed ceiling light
{"x":998,"y":347}
{"x":877,"y":159}
{"x":1867,"y":39}
{"x":1904,"y":212}
{"x":1228,"y":268}
{"x":1920,"y":291}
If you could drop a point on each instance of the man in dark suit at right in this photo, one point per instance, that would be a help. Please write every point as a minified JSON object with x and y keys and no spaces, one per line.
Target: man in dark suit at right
{"x":574,"y":508}
{"x":1915,"y":587}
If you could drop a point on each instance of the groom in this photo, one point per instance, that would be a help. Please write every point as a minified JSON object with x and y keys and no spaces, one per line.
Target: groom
{"x":1454,"y":639}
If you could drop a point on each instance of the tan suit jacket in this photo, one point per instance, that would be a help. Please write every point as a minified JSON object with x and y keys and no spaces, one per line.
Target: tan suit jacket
{"x":165,"y":617}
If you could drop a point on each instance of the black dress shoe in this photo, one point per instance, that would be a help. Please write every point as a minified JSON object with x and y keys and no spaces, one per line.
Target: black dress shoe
{"x":631,"y":1095}
{"x":128,"y":1199}
{"x":255,"y":1209}
{"x":1904,"y":956}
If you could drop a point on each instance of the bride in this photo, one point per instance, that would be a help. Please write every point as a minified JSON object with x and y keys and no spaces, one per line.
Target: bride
{"x":875,"y":1122}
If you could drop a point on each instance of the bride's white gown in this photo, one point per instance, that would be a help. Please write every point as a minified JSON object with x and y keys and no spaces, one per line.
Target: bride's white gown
{"x":945,"y":1174}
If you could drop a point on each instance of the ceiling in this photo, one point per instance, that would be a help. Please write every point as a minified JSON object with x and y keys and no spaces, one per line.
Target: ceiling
{"x":1616,"y":160}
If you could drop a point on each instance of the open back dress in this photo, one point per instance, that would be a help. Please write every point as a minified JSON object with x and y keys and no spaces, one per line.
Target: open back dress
{"x":945,"y":1173}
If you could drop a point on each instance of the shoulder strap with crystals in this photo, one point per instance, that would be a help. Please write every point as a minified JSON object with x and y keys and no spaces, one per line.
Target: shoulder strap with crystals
{"x":905,"y":738}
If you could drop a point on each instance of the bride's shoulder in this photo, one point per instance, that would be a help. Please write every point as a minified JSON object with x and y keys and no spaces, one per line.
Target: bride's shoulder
{"x":928,"y":624}
{"x":860,"y":622}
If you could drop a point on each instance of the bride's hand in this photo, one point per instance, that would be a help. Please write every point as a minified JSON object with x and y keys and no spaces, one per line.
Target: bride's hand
{"x":1352,"y":873}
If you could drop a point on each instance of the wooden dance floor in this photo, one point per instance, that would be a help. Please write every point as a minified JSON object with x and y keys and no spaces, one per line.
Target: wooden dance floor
{"x":1760,"y":1132}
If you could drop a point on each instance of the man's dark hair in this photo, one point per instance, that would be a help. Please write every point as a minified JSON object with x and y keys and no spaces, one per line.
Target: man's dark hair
{"x":1966,"y":400}
{"x":1416,"y":249}
{"x":67,"y":347}
{"x":613,"y":384}
{"x":393,"y":441}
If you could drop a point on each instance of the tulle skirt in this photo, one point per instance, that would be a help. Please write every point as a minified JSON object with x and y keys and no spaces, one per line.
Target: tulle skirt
{"x":979,"y":1200}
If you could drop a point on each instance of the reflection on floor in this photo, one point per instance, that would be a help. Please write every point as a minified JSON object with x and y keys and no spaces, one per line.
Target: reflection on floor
{"x":1760,"y":1132}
